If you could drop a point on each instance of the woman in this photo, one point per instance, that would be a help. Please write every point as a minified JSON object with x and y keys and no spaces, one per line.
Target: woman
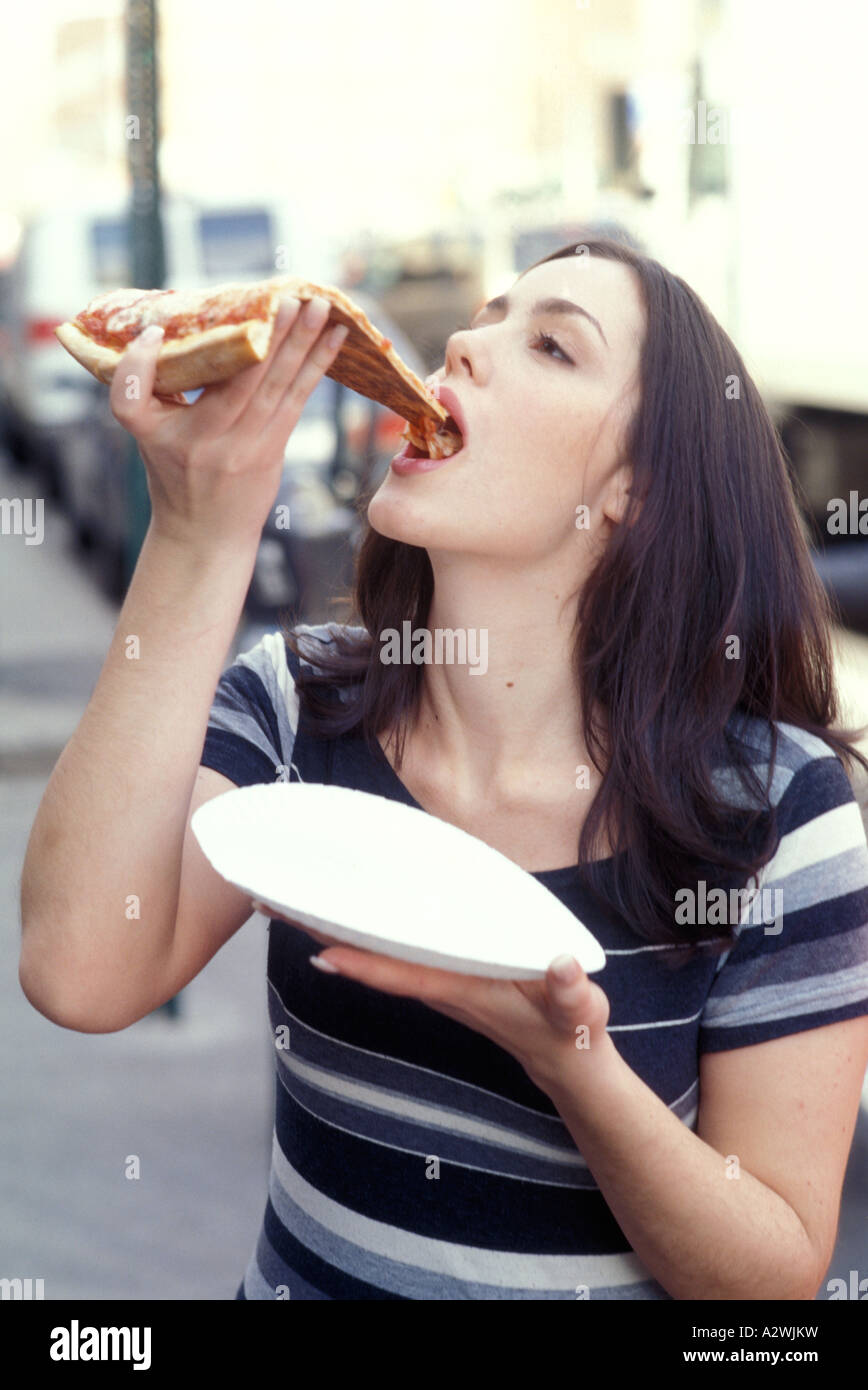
{"x":654,"y":725}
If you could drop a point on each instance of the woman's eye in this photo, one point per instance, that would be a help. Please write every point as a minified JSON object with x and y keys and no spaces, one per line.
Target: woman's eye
{"x":545,"y":342}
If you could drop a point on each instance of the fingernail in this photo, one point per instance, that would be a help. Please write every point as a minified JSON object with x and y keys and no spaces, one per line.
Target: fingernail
{"x":337,"y":335}
{"x":152,"y":334}
{"x":289,"y":302}
{"x":565,"y":968}
{"x":316,"y":305}
{"x":325,"y":965}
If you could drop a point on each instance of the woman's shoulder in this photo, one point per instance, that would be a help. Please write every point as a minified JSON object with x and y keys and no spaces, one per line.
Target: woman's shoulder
{"x":256,"y":720}
{"x":803,"y":762}
{"x":800,"y":959}
{"x":271,"y":655}
{"x":820,"y":824}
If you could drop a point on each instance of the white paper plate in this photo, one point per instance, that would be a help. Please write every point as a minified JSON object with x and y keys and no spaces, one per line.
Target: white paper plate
{"x":389,"y":878}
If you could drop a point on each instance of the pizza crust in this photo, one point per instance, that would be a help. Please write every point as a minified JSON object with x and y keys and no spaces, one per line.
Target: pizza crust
{"x":184,"y":364}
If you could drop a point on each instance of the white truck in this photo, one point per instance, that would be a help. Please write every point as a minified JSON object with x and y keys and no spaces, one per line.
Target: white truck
{"x":800,"y":273}
{"x":761,"y":204}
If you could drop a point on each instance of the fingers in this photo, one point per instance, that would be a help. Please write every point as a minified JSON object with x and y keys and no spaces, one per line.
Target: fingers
{"x":284,"y":418}
{"x":571,"y":998}
{"x":566,"y":985}
{"x":131,"y":396}
{"x":176,"y":398}
{"x":223,"y":403}
{"x":299,"y":363}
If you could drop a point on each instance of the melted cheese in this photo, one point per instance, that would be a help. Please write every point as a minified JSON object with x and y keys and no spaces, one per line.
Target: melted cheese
{"x":131,"y":308}
{"x":168,"y":304}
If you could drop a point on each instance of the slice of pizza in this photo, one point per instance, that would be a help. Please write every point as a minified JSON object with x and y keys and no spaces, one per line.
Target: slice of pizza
{"x":209,"y":334}
{"x":212,"y":334}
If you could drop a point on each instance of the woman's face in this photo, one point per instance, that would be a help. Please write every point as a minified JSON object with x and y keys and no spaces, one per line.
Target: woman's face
{"x":546,"y":396}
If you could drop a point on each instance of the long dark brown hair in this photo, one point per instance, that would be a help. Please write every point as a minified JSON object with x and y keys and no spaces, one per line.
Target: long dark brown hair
{"x":710,"y":548}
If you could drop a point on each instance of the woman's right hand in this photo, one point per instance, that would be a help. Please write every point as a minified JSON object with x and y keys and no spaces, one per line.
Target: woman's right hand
{"x":214,"y":467}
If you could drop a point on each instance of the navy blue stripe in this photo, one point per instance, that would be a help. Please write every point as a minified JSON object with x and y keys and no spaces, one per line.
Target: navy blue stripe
{"x":426,"y":1085}
{"x":820,"y":786}
{"x":802,"y":927}
{"x":237,"y":759}
{"x":390,"y":1185}
{"x":455,"y":1144}
{"x":846,"y":948}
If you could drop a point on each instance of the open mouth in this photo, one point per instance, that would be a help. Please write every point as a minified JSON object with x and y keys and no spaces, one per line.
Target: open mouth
{"x":441,"y":443}
{"x":429,"y":445}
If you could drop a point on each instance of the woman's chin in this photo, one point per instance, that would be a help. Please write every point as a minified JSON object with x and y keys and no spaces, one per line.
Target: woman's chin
{"x":400,"y":517}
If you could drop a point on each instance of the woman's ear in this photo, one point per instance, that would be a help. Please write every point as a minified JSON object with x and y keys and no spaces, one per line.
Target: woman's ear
{"x":618,"y":494}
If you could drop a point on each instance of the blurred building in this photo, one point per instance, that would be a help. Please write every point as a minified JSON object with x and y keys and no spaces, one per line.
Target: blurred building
{"x":720,"y":133}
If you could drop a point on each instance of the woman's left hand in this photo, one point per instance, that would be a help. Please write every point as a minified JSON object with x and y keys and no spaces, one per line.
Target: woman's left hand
{"x":545,"y":1024}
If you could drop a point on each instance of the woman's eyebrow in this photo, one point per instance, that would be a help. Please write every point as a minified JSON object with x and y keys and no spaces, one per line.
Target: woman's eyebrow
{"x":544,"y":306}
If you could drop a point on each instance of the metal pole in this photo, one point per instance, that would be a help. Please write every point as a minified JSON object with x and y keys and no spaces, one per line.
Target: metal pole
{"x":146,"y":246}
{"x":147,"y":250}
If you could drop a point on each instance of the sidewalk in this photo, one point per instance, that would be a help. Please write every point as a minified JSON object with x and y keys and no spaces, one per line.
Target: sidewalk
{"x":191,"y":1097}
{"x":54,"y":635}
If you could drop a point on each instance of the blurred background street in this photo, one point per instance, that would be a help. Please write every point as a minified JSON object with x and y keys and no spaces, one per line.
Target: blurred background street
{"x":191,"y":1095}
{"x":419,"y":160}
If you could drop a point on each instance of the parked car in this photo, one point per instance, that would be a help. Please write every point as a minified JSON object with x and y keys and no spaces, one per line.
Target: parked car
{"x":827,"y":453}
{"x":46,"y":397}
{"x":844,"y":572}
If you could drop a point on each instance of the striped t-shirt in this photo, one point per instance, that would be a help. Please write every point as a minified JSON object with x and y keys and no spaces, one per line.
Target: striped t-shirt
{"x":372,"y":1088}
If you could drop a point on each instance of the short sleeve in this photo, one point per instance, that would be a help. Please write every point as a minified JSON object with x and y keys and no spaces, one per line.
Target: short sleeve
{"x":254,"y":716}
{"x":801,"y":957}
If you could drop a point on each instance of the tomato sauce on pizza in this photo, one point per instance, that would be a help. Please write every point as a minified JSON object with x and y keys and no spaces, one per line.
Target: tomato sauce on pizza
{"x":114,"y":319}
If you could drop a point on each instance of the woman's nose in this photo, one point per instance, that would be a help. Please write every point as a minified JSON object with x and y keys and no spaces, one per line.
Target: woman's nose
{"x":463,"y":354}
